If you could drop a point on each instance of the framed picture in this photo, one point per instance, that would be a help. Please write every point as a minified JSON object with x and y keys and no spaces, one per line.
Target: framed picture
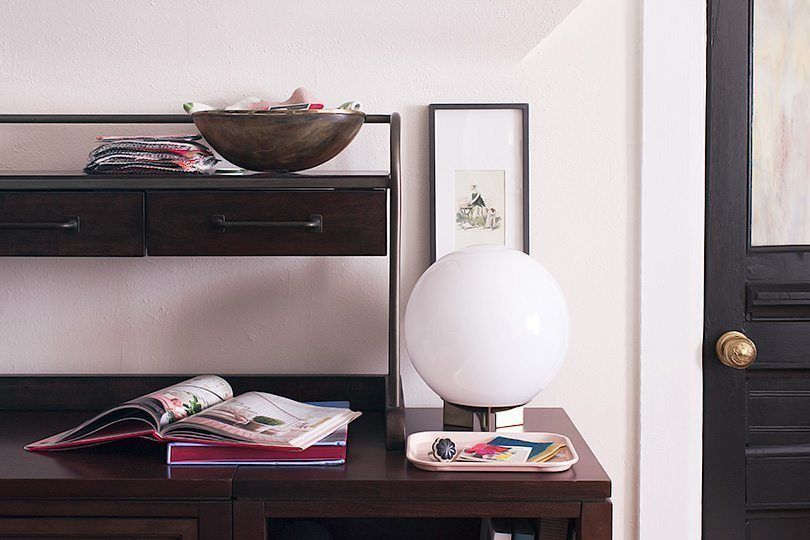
{"x":479,"y":176}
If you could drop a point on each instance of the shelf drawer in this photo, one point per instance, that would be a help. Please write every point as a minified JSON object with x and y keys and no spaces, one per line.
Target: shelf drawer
{"x":267,"y":223}
{"x":68,"y":224}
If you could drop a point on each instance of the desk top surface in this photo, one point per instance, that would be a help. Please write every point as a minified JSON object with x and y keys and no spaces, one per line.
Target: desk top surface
{"x":137,"y":469}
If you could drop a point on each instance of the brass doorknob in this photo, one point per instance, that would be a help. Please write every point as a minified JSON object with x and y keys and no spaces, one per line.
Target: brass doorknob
{"x":735,"y":350}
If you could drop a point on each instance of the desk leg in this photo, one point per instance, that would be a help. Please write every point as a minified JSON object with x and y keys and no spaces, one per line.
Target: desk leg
{"x":595,"y":521}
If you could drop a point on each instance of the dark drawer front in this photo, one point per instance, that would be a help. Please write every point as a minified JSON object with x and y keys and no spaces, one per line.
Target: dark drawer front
{"x":71,"y":224}
{"x":267,"y":223}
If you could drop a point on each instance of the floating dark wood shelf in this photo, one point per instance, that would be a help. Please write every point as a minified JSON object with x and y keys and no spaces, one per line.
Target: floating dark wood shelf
{"x":128,"y":119}
{"x":77,"y":180}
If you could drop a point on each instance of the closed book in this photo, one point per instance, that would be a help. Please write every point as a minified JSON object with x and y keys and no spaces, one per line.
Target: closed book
{"x":209,"y":454}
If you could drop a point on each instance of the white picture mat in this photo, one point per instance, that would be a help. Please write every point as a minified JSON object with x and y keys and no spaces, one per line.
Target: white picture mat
{"x":477,"y":139}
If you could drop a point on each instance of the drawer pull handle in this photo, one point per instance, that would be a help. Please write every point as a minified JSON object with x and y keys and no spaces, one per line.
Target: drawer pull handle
{"x":314,"y":224}
{"x":71,"y":223}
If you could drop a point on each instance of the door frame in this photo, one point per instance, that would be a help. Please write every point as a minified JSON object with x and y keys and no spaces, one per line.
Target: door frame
{"x":671,"y":269}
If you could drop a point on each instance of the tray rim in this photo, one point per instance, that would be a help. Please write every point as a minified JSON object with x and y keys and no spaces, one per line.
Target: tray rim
{"x":436,"y":466}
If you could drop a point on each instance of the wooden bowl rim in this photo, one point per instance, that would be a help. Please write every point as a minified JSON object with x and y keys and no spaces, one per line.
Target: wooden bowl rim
{"x":307,"y":112}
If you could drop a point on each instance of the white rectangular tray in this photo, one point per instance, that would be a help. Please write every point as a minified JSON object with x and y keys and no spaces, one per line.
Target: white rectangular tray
{"x":419,"y":445}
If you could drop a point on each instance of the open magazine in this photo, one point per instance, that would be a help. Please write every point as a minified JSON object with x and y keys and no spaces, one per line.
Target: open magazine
{"x":203,"y":409}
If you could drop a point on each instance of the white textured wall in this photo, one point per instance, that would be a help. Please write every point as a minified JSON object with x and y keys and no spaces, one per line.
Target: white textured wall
{"x":577,"y":64}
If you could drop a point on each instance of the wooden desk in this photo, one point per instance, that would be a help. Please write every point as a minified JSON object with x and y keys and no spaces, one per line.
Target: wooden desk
{"x":126,"y":490}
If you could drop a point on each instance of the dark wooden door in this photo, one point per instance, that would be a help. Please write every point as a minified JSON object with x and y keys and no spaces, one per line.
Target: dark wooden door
{"x":756,"y":429}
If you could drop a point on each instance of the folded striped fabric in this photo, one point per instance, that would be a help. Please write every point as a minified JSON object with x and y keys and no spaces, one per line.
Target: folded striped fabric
{"x":151,"y":155}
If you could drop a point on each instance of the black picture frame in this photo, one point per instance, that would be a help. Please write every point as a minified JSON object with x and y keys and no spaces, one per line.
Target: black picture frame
{"x":432,"y":108}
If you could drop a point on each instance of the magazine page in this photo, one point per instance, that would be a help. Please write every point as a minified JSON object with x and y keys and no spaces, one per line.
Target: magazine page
{"x":142,"y":416}
{"x":106,"y":430}
{"x":183,"y":399}
{"x":262,"y":419}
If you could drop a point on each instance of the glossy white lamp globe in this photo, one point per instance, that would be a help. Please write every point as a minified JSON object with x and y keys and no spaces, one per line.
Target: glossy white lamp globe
{"x":486,"y":326}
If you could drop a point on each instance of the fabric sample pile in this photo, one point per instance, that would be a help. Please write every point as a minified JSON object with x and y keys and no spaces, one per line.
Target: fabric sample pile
{"x":151,"y":155}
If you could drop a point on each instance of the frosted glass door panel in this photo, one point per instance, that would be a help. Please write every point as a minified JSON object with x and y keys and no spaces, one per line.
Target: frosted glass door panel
{"x":780,"y":137}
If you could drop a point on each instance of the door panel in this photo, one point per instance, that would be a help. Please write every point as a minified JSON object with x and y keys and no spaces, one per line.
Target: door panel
{"x":780,"y":345}
{"x":781,"y":526}
{"x":779,"y":480}
{"x":777,"y":301}
{"x":778,"y":408}
{"x":756,"y":459}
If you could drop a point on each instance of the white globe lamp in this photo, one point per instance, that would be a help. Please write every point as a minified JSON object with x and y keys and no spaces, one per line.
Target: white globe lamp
{"x":486,"y":327}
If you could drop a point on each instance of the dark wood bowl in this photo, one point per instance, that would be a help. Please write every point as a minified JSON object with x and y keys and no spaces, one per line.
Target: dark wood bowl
{"x":279,"y":140}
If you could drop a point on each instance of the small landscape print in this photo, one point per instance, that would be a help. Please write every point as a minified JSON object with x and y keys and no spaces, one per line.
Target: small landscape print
{"x":480,"y":209}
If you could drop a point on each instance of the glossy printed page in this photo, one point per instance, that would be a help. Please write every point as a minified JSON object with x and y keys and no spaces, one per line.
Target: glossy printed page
{"x":264,"y":419}
{"x":184,"y":399}
{"x":143,"y":415}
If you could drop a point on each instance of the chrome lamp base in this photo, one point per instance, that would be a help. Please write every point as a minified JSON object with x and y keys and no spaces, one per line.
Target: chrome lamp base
{"x":463,"y":418}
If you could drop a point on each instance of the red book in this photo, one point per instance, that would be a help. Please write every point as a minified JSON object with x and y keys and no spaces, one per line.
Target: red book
{"x":330,"y":451}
